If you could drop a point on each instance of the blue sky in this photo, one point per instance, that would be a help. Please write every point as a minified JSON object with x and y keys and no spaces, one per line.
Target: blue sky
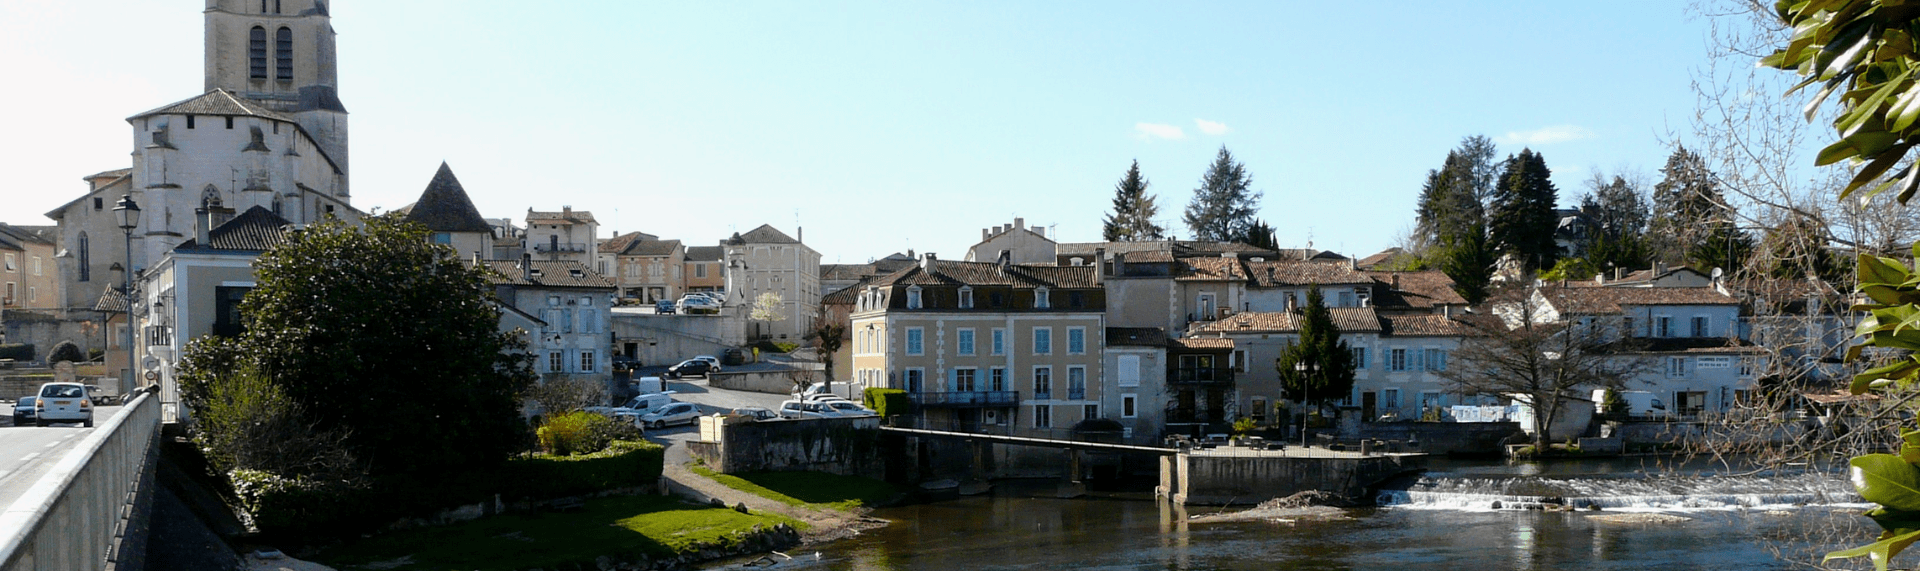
{"x":885,"y":126}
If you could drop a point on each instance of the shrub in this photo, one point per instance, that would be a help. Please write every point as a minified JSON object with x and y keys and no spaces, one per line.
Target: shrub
{"x":583,"y":433}
{"x":624,"y":463}
{"x":17,"y":351}
{"x":887,"y":402}
{"x":1244,"y":425}
{"x":567,"y":395}
{"x":95,"y":354}
{"x":297,"y":507}
{"x":64,"y":351}
{"x":247,"y":423}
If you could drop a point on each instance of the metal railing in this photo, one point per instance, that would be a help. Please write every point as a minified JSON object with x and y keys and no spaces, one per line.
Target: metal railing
{"x":966,"y":398}
{"x":73,"y":516}
{"x":550,"y":248}
{"x":1201,"y":375}
{"x":1077,"y":393}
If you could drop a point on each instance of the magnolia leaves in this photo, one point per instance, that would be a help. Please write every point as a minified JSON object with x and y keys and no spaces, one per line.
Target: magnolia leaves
{"x":1863,"y":51}
{"x":1893,"y":482}
{"x":1892,"y":321}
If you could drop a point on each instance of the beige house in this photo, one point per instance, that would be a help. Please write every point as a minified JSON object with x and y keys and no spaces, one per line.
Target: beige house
{"x":29,"y":278}
{"x":196,"y":290}
{"x":766,"y":260}
{"x":705,"y":268}
{"x":567,"y":235}
{"x":1024,"y":245}
{"x":981,"y":344}
{"x":645,"y":267}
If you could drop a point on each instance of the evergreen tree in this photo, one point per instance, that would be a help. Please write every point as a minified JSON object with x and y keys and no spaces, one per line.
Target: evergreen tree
{"x":1522,"y":220}
{"x":1797,"y":248}
{"x":1692,"y":221}
{"x":1619,"y":213}
{"x":1319,"y":367}
{"x":1477,"y":167}
{"x":1223,"y":206}
{"x":1260,"y":235}
{"x":1133,"y":211}
{"x":1468,"y":258}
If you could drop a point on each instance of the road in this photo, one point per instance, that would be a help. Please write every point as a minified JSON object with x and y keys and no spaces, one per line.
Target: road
{"x":27,"y":452}
{"x":711,"y":400}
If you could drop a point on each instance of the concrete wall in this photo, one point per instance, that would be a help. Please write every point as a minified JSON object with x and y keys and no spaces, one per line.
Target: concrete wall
{"x":1237,"y":479}
{"x":845,"y":446}
{"x":778,"y":382}
{"x":44,"y":329}
{"x":669,"y":339}
{"x":1437,"y":437}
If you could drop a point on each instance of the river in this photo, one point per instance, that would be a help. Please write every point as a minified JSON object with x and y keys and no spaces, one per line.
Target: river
{"x":1444,"y":519}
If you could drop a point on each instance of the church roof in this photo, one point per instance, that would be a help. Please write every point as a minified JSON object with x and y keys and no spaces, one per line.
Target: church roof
{"x":217,"y":102}
{"x":255,"y":230}
{"x":444,"y":206}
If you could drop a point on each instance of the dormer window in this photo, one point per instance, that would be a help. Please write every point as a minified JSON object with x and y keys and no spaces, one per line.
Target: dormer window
{"x":966,"y":297}
{"x":1040,"y":298}
{"x":913,"y":297}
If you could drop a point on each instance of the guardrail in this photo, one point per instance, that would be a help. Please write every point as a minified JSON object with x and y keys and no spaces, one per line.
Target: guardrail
{"x":73,"y":517}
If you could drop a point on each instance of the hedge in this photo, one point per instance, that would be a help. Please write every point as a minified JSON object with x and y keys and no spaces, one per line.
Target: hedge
{"x":301,"y":509}
{"x":887,"y":402}
{"x":17,"y":351}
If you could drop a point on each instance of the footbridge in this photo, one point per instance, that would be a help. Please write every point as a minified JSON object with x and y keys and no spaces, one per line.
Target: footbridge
{"x":1081,"y":445}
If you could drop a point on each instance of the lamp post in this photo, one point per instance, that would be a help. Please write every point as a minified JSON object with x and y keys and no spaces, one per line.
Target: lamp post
{"x":1307,"y":372}
{"x":129,"y":216}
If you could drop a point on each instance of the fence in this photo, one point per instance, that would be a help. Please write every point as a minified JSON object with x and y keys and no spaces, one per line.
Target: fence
{"x":74,"y":516}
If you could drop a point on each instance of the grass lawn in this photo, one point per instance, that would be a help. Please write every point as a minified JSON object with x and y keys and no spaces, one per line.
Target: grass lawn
{"x":814,"y":489}
{"x":622,"y":525}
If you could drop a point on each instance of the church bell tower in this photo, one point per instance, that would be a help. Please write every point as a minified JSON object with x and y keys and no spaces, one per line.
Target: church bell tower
{"x":280,"y":53}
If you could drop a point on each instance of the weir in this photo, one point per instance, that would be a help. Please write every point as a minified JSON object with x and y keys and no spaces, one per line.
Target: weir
{"x":1228,"y":476}
{"x":1663,"y":491}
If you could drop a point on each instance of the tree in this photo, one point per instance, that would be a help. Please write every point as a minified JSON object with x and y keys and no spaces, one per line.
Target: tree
{"x":1260,"y":235}
{"x":828,"y":337}
{"x":1223,"y":206}
{"x":379,"y":336}
{"x":768,"y":307}
{"x":1514,"y":351}
{"x":1619,"y":212}
{"x":1467,"y":258}
{"x":1522,"y":220}
{"x":1319,"y":367}
{"x":1692,"y":220}
{"x":1133,"y":211}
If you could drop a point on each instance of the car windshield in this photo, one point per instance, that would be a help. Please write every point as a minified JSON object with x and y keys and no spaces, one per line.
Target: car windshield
{"x":26,"y":401}
{"x":63,"y":391}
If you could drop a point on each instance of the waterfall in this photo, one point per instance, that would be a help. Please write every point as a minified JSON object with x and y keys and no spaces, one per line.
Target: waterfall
{"x":1648,"y":492}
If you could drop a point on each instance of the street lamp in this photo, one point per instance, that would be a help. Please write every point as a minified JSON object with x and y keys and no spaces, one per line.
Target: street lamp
{"x":1306,"y":391}
{"x":129,"y":214}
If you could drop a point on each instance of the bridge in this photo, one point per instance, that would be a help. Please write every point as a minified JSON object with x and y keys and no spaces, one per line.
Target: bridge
{"x":1080,"y":445}
{"x":88,"y":511}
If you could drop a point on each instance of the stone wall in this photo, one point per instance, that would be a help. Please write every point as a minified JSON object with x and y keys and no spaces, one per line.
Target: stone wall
{"x":778,"y":382}
{"x":1437,"y":437}
{"x":44,"y":329}
{"x":845,"y":446}
{"x":1225,"y":479}
{"x":668,"y":339}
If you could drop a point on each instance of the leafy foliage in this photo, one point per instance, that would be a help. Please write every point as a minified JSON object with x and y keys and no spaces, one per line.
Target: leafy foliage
{"x":886,"y":402}
{"x":1571,"y":269}
{"x":582,"y":433}
{"x":1133,"y":211}
{"x":1318,"y":368}
{"x":828,"y":337}
{"x":382,"y":337}
{"x":1864,"y":51}
{"x":1522,"y":221}
{"x":1452,"y":223}
{"x":1260,"y":235}
{"x":1223,"y":206}
{"x":64,"y":351}
{"x":768,"y":307}
{"x":563,"y":395}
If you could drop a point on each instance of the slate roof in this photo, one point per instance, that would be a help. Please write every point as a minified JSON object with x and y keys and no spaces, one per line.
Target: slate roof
{"x":988,"y":273}
{"x":561,"y":217}
{"x":555,"y":274}
{"x":1358,"y":319}
{"x":706,"y":253}
{"x":636,"y":244}
{"x":1379,"y":258}
{"x":1300,"y":273}
{"x":765,"y":234}
{"x":1136,"y":337}
{"x":1425,"y":326}
{"x":217,"y":102}
{"x":1609,"y":300}
{"x":847,"y":295}
{"x":17,"y":237}
{"x":445,"y":207}
{"x":255,"y":230}
{"x":1420,"y":290}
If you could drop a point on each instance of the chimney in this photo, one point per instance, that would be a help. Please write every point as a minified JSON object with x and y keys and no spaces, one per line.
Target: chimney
{"x":985,"y":233}
{"x":566,"y":211}
{"x":926,"y":263}
{"x":1353,"y":264}
{"x":476,"y":257}
{"x":1446,"y":311}
{"x":1600,"y":278}
{"x":526,"y":267}
{"x":1100,"y":265}
{"x":202,"y":225}
{"x":1019,"y":222}
{"x":1003,"y":260}
{"x":1120,"y":263}
{"x":1659,"y":268}
{"x":1396,"y":281}
{"x":800,"y":234}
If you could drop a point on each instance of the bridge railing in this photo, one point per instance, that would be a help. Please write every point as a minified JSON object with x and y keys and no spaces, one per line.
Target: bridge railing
{"x":71,"y":517}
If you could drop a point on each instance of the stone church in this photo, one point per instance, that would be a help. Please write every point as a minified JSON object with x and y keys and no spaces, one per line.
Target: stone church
{"x":269,"y":131}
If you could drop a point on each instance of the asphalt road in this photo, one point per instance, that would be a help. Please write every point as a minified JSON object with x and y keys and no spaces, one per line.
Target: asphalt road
{"x":711,"y":400}
{"x":27,"y":452}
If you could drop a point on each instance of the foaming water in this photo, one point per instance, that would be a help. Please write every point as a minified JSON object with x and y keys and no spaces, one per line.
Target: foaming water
{"x":1681,"y":491}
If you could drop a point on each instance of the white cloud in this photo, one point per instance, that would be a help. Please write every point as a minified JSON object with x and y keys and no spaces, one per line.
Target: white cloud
{"x":1545,"y":135}
{"x":1158,"y":130}
{"x":1211,"y":128}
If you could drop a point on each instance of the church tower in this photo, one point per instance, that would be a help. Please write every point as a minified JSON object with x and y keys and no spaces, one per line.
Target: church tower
{"x":280,"y":54}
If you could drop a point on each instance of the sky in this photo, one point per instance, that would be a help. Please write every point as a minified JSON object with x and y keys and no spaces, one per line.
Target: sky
{"x":880,"y":127}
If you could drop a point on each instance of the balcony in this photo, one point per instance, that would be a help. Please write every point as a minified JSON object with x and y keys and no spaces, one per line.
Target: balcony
{"x":1200,"y":376}
{"x":560,"y":247}
{"x":962,"y":399}
{"x":1077,"y":393}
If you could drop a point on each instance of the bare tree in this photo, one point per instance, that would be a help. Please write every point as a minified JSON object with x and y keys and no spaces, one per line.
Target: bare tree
{"x":555,"y":396}
{"x":828,"y":337}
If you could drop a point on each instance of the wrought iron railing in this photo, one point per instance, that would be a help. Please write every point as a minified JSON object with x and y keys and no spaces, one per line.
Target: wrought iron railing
{"x":966,"y":398}
{"x":1200,"y":375}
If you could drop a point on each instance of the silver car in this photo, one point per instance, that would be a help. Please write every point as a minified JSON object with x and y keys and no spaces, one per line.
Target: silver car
{"x":676,"y":413}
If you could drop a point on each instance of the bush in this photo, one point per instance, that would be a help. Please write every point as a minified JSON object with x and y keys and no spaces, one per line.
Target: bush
{"x":299,"y":507}
{"x":95,"y":354}
{"x":572,"y":433}
{"x":623,"y":463}
{"x":887,"y":402}
{"x":17,"y":351}
{"x":64,"y":351}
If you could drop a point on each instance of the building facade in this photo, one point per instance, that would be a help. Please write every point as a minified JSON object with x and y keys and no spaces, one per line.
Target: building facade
{"x":766,"y":260}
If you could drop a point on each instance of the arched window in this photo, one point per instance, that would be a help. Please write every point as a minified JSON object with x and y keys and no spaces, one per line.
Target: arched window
{"x":283,"y":53}
{"x":85,"y":260}
{"x":257,"y":52}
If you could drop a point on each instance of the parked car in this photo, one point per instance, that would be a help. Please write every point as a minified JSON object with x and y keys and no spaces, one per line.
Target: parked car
{"x":663,"y":306}
{"x":755,"y":413}
{"x":711,"y":360}
{"x":99,"y":396}
{"x":23,"y":411}
{"x":676,"y":413}
{"x":690,"y":367}
{"x":63,"y":402}
{"x":845,"y":407}
{"x":806,"y":409}
{"x":698,"y":303}
{"x":811,"y":391}
{"x":636,"y":406}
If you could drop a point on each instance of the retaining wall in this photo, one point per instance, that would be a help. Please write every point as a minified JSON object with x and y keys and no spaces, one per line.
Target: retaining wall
{"x":1438,"y":437}
{"x":845,"y":446}
{"x":778,"y":382}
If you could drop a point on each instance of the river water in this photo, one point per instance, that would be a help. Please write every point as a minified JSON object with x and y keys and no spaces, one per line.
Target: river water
{"x":1444,"y":519}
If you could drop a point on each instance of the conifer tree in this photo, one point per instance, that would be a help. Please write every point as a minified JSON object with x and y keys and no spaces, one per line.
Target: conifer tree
{"x":1260,"y":235}
{"x":1619,"y":213}
{"x":1223,"y":206}
{"x":1133,"y":211}
{"x":1692,"y":221}
{"x":1522,"y":220}
{"x":1319,"y":367}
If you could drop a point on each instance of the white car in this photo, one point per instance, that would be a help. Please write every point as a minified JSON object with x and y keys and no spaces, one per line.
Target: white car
{"x":676,"y":413}
{"x":698,"y":302}
{"x":845,"y":407}
{"x":63,"y":402}
{"x":710,"y":359}
{"x":632,"y":409}
{"x":821,"y":409}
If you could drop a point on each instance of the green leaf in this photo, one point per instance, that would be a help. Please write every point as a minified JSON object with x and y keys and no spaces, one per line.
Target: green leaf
{"x":1887,"y":480}
{"x":1881,"y":271}
{"x":1881,"y":552}
{"x":1895,"y":371}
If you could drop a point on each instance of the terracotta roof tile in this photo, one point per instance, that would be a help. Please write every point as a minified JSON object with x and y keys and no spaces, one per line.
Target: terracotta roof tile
{"x":1425,"y":326}
{"x":1210,"y":269}
{"x":1611,"y":300}
{"x":559,"y":274}
{"x":561,"y":217}
{"x":705,"y":253}
{"x":1422,"y":290}
{"x":987,"y":273}
{"x":1202,"y":343}
{"x":1300,"y":273}
{"x":636,"y":244}
{"x":1345,"y":318}
{"x":765,"y":234}
{"x":217,"y":102}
